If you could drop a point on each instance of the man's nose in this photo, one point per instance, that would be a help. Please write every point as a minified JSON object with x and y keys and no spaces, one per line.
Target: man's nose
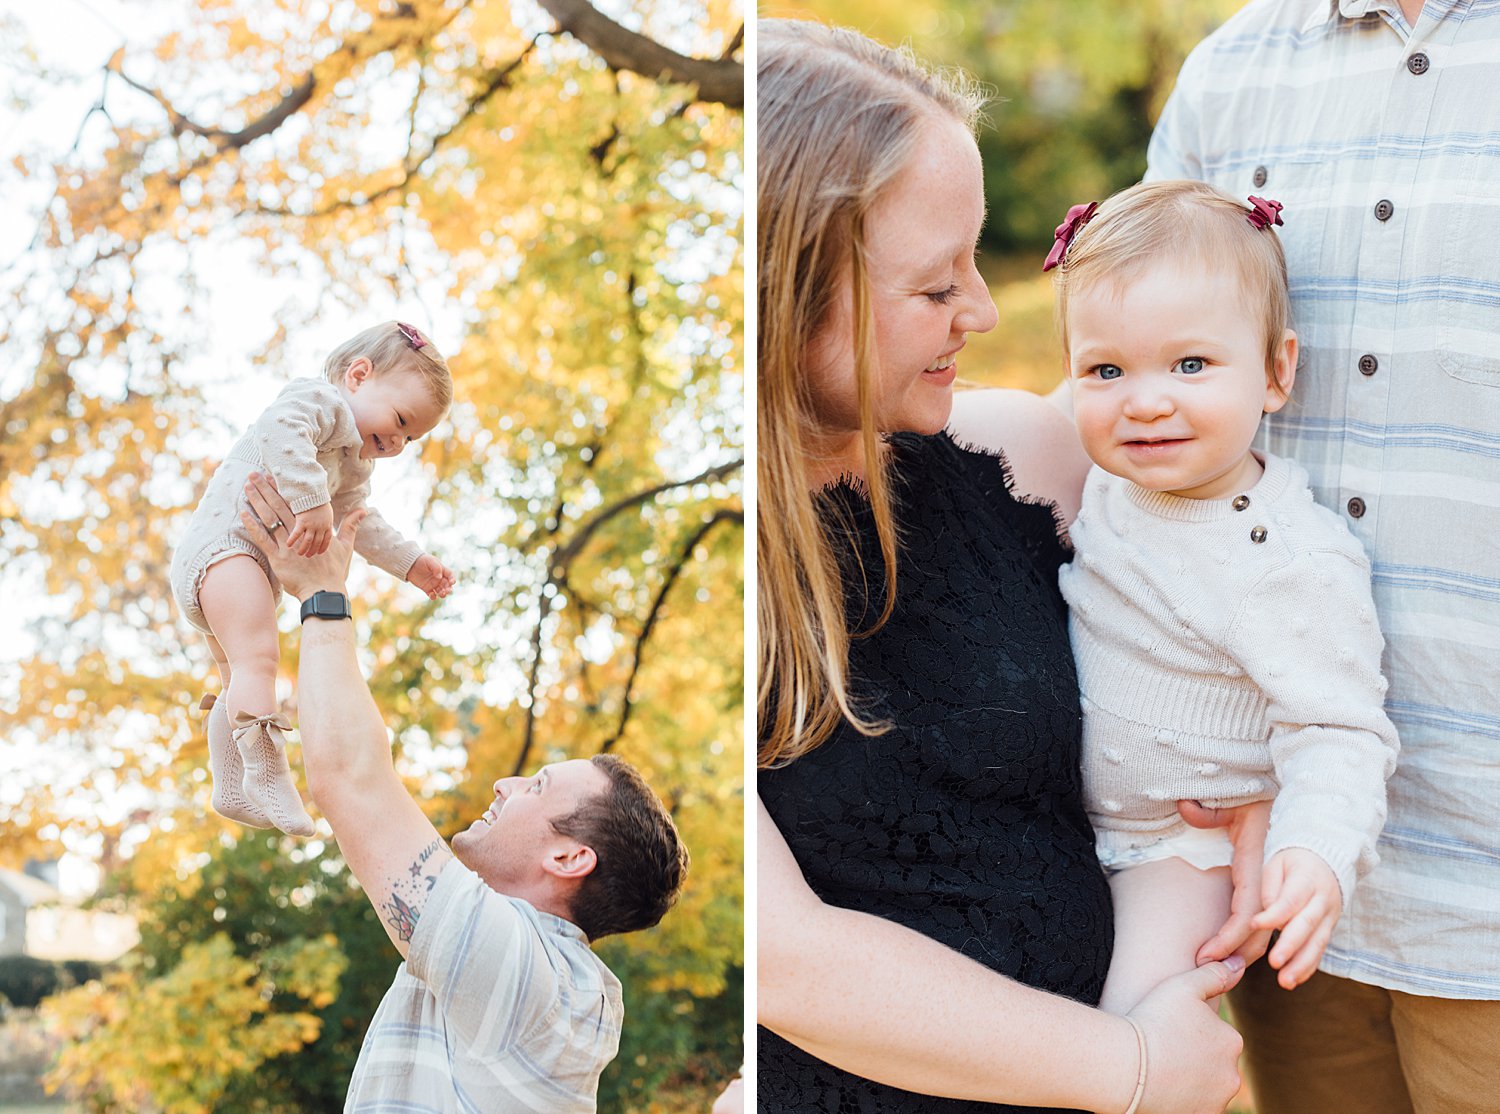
{"x":505,"y":786}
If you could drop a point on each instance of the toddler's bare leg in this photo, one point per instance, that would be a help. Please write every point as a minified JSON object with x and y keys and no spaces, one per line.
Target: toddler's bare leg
{"x":240,"y":608}
{"x":1164,"y":912}
{"x":224,"y":764}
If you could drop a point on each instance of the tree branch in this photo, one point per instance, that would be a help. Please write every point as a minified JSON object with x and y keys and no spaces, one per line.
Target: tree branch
{"x":719,"y":80}
{"x":683,"y":556}
{"x":565,"y":555}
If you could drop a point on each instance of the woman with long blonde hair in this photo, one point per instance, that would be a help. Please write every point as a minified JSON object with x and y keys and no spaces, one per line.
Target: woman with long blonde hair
{"x":933,"y":925}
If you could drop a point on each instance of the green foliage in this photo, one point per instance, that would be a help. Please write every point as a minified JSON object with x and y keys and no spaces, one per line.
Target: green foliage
{"x":1075,"y":89}
{"x":670,"y":1039}
{"x":25,"y":980}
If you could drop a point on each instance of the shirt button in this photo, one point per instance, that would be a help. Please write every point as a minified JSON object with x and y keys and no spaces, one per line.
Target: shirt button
{"x":1383,"y":210}
{"x":1356,"y":507}
{"x":1368,"y":364}
{"x":1259,"y":177}
{"x":1418,"y":64}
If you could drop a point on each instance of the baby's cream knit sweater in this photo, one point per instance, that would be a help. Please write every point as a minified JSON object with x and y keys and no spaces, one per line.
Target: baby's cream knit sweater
{"x":1227,"y":652}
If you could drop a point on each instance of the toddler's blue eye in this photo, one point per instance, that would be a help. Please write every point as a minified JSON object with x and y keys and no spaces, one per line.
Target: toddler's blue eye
{"x":1192,"y":365}
{"x":1109,"y":371}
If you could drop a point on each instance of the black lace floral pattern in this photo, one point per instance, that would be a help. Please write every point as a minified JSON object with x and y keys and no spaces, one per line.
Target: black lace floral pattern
{"x":965,"y":822}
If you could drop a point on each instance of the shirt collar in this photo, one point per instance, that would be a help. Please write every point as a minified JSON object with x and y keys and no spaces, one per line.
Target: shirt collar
{"x":1323,"y":14}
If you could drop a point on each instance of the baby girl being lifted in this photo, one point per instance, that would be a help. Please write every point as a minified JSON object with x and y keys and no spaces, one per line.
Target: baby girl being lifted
{"x":319,"y":440}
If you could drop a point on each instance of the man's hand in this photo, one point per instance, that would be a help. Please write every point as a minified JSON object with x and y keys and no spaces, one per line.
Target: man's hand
{"x":1247,"y":827}
{"x":301,"y":576}
{"x":432,"y":576}
{"x":313,"y":532}
{"x":1302,"y":899}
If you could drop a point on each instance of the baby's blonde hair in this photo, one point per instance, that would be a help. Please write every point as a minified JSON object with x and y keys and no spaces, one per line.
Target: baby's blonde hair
{"x":390,"y":350}
{"x":1182,"y":219}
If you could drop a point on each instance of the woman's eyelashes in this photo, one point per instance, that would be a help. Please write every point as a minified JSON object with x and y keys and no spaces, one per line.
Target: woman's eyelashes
{"x":943,"y":297}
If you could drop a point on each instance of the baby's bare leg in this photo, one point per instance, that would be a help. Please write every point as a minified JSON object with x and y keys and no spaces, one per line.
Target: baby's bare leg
{"x":240,"y":607}
{"x":1164,"y":912}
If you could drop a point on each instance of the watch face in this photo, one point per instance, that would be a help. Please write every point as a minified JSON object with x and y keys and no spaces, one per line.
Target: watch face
{"x":326,"y":605}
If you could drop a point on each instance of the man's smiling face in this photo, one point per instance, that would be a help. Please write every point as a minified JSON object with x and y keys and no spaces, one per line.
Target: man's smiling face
{"x":514,"y":839}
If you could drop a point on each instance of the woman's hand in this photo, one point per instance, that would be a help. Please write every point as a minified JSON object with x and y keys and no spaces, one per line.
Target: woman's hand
{"x":1191,"y":1055}
{"x":313,"y":531}
{"x":432,"y":576}
{"x":1247,"y":826}
{"x":1303,"y":900}
{"x":301,"y":576}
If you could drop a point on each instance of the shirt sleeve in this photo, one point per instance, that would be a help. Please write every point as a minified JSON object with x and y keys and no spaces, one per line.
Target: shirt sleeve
{"x":288,"y":436}
{"x":483,"y":959}
{"x":377,"y":541}
{"x":1308,"y":637}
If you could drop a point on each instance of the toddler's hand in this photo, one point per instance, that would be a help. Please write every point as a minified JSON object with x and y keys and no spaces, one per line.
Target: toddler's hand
{"x":313,"y":531}
{"x":432,"y":576}
{"x":1302,"y":899}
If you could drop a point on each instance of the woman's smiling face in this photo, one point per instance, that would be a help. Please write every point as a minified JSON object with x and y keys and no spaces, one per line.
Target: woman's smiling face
{"x":926,"y":294}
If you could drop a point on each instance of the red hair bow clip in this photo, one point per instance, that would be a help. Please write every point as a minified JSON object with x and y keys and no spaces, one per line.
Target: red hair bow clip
{"x":1263,"y":213}
{"x":413,"y":338}
{"x":1077,"y":217}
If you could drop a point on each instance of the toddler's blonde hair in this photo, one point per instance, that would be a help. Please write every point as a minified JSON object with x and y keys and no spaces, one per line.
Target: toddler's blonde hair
{"x":1179,"y":219}
{"x":388,"y":350}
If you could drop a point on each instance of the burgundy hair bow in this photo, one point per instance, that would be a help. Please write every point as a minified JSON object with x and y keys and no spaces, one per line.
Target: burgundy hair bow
{"x":413,"y":338}
{"x":1263,"y":213}
{"x":1077,"y":217}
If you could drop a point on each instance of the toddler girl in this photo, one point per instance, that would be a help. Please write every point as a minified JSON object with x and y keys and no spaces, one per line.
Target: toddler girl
{"x":1222,"y":622}
{"x":320,"y":439}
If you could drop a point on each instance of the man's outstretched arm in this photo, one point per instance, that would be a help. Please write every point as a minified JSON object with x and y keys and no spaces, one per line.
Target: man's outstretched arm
{"x":391,"y":846}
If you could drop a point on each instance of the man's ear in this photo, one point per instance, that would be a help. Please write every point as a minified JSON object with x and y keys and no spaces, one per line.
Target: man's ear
{"x":357,"y":372}
{"x":574,"y":861}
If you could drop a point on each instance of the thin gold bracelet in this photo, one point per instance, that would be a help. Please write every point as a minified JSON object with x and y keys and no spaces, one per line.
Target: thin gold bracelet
{"x":1140,"y":1079}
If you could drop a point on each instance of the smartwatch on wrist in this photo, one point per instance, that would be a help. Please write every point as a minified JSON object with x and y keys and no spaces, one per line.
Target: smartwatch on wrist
{"x":326,"y":605}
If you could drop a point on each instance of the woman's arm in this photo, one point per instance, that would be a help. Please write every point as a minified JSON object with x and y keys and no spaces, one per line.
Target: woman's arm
{"x":892,"y":1005}
{"x":1046,"y":459}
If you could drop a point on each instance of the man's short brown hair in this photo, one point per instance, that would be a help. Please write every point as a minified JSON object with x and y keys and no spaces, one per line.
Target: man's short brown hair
{"x":641,"y":859}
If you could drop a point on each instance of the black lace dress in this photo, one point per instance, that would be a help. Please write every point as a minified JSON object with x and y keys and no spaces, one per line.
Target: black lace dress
{"x":966,"y":821}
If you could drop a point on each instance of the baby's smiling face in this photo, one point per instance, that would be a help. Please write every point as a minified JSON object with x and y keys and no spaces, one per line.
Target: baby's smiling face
{"x":390,"y":410}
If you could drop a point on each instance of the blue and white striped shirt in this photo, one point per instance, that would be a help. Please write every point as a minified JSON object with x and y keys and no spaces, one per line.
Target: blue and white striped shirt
{"x":499,"y":1009}
{"x":1383,"y":142}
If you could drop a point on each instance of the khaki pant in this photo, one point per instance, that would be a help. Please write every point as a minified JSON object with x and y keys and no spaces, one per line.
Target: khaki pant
{"x":1335,"y":1046}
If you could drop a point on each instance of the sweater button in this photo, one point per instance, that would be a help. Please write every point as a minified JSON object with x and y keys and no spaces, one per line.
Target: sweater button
{"x":1258,"y":534}
{"x":1240,"y":502}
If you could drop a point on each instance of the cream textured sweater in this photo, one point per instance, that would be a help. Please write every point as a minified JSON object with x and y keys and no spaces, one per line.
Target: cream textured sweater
{"x":308,"y":441}
{"x":1226,"y":648}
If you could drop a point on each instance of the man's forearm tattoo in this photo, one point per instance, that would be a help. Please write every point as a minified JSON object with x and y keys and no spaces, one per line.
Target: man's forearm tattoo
{"x":408,"y":894}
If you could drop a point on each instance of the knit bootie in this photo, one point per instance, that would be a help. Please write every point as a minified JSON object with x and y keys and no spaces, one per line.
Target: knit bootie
{"x":268,"y":783}
{"x":227,"y":770}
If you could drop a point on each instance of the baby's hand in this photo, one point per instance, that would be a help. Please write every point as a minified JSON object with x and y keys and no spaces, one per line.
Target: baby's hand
{"x":313,"y":531}
{"x":1302,"y":899}
{"x":432,"y":576}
